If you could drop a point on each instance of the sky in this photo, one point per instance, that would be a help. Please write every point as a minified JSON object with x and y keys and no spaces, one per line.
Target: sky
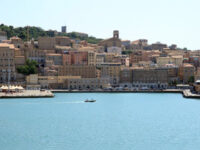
{"x":165,"y":21}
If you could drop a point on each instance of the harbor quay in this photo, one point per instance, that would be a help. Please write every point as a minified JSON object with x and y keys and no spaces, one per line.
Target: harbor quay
{"x":185,"y":92}
{"x":50,"y":93}
{"x":27,"y":94}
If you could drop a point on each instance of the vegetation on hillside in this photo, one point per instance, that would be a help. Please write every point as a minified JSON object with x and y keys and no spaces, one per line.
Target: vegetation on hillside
{"x":127,"y":52}
{"x":35,"y":32}
{"x":74,"y":35}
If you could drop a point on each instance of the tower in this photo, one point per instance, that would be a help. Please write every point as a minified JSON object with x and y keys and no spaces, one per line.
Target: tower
{"x":64,"y":29}
{"x":116,"y":34}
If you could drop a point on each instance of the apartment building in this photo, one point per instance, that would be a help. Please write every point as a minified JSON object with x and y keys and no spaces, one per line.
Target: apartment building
{"x":111,"y":71}
{"x":85,"y":71}
{"x":88,"y":83}
{"x":7,"y":63}
{"x":186,"y":71}
{"x":150,"y":77}
{"x":46,"y":43}
{"x":91,"y":58}
{"x":176,"y":60}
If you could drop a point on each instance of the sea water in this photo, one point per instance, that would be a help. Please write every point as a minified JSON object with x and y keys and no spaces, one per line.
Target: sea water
{"x":117,"y":121}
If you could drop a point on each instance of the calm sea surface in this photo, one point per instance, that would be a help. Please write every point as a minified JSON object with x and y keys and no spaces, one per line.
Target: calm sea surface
{"x":114,"y":122}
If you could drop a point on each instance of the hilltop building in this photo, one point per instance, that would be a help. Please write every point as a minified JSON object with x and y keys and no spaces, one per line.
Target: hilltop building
{"x":64,"y":29}
{"x":112,"y":44}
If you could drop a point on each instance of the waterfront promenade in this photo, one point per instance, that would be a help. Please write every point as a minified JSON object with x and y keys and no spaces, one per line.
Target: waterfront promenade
{"x":27,"y":94}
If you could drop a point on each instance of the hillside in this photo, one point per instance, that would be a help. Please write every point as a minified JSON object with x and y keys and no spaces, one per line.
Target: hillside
{"x":35,"y":32}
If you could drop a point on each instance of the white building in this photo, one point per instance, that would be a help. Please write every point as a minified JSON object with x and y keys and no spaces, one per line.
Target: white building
{"x":115,"y":50}
{"x":3,"y":36}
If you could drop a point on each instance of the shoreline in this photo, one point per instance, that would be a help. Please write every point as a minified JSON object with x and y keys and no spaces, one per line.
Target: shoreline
{"x":186,"y":93}
{"x":121,"y":91}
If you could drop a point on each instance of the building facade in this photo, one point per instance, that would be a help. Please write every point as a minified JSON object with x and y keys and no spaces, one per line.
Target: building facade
{"x":150,"y":78}
{"x":7,"y":63}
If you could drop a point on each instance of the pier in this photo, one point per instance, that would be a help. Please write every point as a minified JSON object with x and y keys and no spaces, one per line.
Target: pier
{"x":189,"y":94}
{"x":27,"y":94}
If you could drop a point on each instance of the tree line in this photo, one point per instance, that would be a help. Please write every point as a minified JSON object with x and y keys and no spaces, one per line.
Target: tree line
{"x":32,"y":32}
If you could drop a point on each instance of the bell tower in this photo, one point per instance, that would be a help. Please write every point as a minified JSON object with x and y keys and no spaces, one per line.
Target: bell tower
{"x":116,"y":34}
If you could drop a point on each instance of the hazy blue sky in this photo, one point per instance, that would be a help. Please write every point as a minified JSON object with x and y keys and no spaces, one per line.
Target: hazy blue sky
{"x":167,"y":21}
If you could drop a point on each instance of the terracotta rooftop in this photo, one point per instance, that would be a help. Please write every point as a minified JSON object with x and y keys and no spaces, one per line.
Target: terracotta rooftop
{"x":11,"y":46}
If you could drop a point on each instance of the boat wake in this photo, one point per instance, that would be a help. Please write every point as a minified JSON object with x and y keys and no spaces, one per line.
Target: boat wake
{"x":76,"y":102}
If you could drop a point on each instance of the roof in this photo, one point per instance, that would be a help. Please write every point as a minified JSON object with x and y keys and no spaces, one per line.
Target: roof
{"x":53,"y":54}
{"x":3,"y":45}
{"x":15,"y":38}
{"x":187,"y":65}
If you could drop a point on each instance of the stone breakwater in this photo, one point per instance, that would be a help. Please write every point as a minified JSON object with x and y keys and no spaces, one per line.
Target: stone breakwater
{"x":27,"y":94}
{"x":186,"y":93}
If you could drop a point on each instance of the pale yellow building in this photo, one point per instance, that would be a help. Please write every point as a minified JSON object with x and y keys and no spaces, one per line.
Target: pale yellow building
{"x":111,"y":71}
{"x":32,"y":79}
{"x":91,"y":58}
{"x":176,"y":60}
{"x":46,"y":43}
{"x":7,"y":63}
{"x":85,"y":71}
{"x":186,"y":71}
{"x":88,"y":83}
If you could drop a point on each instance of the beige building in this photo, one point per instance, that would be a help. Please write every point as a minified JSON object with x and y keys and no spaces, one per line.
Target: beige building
{"x":63,"y":41}
{"x":46,"y":43}
{"x":57,"y":59}
{"x":91,"y":58}
{"x":150,"y":78}
{"x":32,"y":79}
{"x":32,"y":82}
{"x":19,"y":60}
{"x":16,"y":41}
{"x":197,"y":74}
{"x":111,"y":71}
{"x":109,"y":57}
{"x":100,"y":59}
{"x":186,"y":71}
{"x":126,"y":74}
{"x":139,"y":44}
{"x":36,"y":55}
{"x":48,"y":82}
{"x":112,"y":42}
{"x":88,"y":83}
{"x":85,"y":71}
{"x":176,"y":60}
{"x":7,"y":63}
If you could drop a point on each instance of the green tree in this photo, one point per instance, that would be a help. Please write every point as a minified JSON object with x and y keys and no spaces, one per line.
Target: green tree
{"x":29,"y":68}
{"x":191,"y":79}
{"x":126,"y":52}
{"x":35,"y":32}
